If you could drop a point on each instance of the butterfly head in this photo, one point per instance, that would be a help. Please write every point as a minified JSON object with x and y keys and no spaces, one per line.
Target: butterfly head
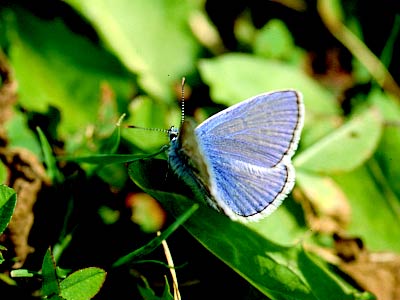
{"x":173,"y":133}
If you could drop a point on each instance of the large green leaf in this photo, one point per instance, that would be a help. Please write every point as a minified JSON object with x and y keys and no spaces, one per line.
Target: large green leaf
{"x":278,"y":272}
{"x":152,"y":38}
{"x":57,"y":67}
{"x":285,"y":226}
{"x":372,"y":215}
{"x":235,"y":77}
{"x":346,"y":148}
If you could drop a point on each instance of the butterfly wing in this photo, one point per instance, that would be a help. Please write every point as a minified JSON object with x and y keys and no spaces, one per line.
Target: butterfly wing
{"x":247,"y":149}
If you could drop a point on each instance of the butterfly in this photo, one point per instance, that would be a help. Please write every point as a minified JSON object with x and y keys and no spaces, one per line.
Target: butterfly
{"x":239,"y":160}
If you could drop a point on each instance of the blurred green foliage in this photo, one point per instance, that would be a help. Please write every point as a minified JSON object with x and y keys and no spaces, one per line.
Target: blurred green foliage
{"x":72,"y":69}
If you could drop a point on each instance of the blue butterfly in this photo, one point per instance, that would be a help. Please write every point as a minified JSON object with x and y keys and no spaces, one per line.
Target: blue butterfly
{"x":239,"y":160}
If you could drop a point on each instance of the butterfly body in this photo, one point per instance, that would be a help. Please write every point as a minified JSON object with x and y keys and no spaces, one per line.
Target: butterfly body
{"x":239,"y":160}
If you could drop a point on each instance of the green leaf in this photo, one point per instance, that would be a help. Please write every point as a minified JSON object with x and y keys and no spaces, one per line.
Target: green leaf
{"x":50,"y":285}
{"x":83,"y":284}
{"x":235,"y":77}
{"x":274,"y":40}
{"x":166,"y":293}
{"x":8,"y":201}
{"x":278,"y":272}
{"x":346,"y":148}
{"x":373,"y":218}
{"x":285,"y":226}
{"x":20,"y":135}
{"x":68,"y":69}
{"x":167,"y":47}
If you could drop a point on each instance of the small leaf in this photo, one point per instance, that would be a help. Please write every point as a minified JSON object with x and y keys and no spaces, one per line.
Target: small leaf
{"x":274,"y":40}
{"x":147,"y":293}
{"x":166,"y":293}
{"x":8,"y":201}
{"x":22,"y":273}
{"x":83,"y":284}
{"x":50,"y":285}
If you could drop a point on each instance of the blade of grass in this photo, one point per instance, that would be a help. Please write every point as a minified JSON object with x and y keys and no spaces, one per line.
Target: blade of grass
{"x":112,"y":143}
{"x":154,"y":243}
{"x":104,"y":159}
{"x":49,"y":159}
{"x":374,"y":66}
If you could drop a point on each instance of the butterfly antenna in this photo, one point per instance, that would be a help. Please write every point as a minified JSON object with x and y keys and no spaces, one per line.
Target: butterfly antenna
{"x":172,"y":131}
{"x":148,"y":129}
{"x":183,"y":100}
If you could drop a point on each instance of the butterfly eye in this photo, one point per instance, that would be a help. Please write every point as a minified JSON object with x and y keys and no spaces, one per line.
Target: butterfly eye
{"x":173,"y":133}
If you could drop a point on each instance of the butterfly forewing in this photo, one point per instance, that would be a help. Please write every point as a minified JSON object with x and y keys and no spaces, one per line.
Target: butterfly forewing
{"x":261,"y":130}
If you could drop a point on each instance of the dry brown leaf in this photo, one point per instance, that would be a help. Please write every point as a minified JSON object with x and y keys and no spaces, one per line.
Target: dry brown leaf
{"x":378,"y":273}
{"x":26,"y":177}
